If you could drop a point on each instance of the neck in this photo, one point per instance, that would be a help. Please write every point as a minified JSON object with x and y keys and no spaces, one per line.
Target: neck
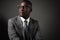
{"x":25,"y":17}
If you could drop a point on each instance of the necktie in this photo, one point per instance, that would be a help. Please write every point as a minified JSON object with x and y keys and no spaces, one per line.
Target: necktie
{"x":25,"y":23}
{"x":26,"y":32}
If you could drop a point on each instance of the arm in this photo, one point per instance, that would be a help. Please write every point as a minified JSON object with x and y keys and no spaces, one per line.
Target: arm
{"x":11,"y":31}
{"x":38,"y":34}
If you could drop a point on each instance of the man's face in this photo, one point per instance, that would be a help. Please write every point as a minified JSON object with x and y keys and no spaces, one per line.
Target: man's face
{"x":24,"y":10}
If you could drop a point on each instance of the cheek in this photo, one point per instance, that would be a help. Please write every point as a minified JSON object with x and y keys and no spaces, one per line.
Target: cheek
{"x":19,"y":10}
{"x":20,"y":13}
{"x":29,"y":10}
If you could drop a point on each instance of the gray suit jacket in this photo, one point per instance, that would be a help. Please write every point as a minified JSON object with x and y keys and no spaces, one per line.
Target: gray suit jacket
{"x":16,"y":30}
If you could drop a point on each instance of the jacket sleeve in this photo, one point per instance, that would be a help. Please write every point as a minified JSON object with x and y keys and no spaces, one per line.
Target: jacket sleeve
{"x":38,"y":33}
{"x":11,"y":31}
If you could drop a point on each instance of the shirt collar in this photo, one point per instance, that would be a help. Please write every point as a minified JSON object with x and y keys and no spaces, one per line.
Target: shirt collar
{"x":24,"y":19}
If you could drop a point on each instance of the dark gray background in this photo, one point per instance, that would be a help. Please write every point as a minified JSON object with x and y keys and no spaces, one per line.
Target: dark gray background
{"x":45,"y":11}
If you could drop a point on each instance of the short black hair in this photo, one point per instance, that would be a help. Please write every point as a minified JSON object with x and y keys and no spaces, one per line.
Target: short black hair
{"x":28,"y":2}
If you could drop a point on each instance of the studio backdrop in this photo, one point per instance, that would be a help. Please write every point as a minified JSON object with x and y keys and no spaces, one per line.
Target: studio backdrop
{"x":45,"y":11}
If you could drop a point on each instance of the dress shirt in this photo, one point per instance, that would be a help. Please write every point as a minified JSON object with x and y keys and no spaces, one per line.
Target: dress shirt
{"x":28,"y":20}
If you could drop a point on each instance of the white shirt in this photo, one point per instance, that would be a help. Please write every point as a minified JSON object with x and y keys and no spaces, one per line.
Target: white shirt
{"x":28,"y":20}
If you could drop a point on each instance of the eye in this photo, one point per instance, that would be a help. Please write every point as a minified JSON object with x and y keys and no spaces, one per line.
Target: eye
{"x":28,"y":6}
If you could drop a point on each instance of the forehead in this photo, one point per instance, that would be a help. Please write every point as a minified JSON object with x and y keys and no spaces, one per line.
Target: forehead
{"x":24,"y":4}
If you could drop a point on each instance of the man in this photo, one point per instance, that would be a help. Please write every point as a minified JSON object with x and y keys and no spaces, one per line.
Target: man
{"x":23,"y":27}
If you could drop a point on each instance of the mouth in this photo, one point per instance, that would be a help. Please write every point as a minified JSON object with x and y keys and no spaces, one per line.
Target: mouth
{"x":22,"y":11}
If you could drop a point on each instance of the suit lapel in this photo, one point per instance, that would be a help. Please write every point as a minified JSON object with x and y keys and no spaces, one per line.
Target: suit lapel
{"x":31,"y":27}
{"x":19,"y":22}
{"x":19,"y":26}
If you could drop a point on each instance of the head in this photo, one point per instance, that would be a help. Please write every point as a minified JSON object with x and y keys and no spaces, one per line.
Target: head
{"x":25,"y":8}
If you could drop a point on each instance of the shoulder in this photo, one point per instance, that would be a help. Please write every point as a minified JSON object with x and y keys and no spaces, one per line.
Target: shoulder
{"x":12,"y":19}
{"x":34,"y":20}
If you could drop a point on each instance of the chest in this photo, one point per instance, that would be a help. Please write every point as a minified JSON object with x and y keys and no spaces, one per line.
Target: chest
{"x":20,"y":29}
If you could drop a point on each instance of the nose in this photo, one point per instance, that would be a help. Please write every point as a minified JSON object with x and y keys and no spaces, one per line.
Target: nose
{"x":22,"y":8}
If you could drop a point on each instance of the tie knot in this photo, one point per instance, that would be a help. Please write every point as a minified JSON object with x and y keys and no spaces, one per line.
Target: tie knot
{"x":25,"y":21}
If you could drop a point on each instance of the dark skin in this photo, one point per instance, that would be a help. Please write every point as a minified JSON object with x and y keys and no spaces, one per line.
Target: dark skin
{"x":24,"y":10}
